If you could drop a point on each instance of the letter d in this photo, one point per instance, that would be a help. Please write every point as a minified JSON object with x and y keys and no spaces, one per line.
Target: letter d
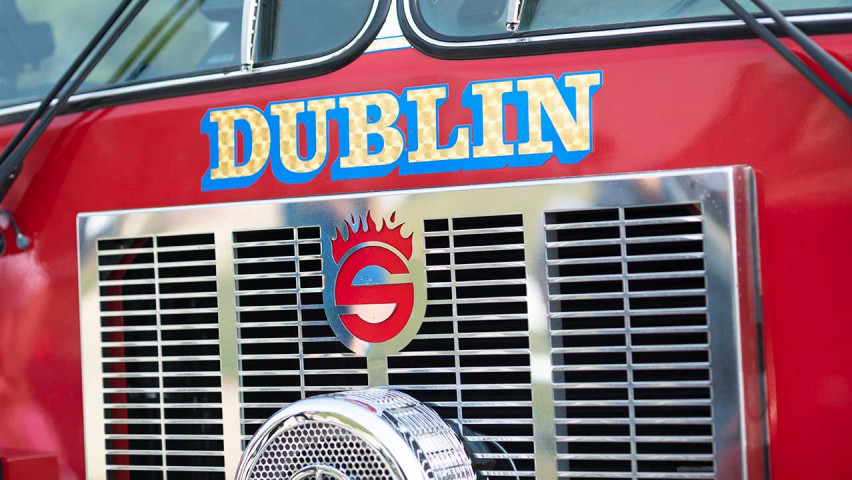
{"x":228,"y":169}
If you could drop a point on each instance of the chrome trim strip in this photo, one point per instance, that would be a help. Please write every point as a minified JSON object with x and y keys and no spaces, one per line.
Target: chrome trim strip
{"x":748,"y":301}
{"x":385,"y":44}
{"x":402,"y":192}
{"x":621,"y":32}
{"x":743,"y":433}
{"x":93,"y":400}
{"x":108,"y":92}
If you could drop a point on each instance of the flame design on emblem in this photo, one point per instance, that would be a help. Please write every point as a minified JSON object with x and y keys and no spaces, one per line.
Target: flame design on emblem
{"x":364,"y":229}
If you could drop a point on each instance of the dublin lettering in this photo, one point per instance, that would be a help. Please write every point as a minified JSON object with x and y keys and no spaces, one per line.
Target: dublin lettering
{"x":295,"y":138}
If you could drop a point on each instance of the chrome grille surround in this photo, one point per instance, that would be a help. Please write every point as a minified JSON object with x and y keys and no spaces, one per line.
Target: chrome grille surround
{"x":518,"y":428}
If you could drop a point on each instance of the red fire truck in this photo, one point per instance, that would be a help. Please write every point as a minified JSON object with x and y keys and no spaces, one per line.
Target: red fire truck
{"x":411,"y":239}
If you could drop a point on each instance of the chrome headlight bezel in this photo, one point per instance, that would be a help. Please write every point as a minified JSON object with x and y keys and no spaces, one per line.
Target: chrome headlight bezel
{"x":403,"y":435}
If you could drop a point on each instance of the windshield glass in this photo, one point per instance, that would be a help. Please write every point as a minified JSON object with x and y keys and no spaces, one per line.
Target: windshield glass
{"x":40,"y":39}
{"x":487,"y":18}
{"x":292,"y":30}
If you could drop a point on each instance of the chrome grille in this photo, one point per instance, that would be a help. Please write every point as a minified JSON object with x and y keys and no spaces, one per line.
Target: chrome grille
{"x":629,"y":332}
{"x":160,"y":346}
{"x":476,"y":323}
{"x":566,"y":334}
{"x":287,"y":351}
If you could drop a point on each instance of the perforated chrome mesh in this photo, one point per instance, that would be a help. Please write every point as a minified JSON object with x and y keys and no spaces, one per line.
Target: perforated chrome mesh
{"x":438,"y":450}
{"x":316,"y":443}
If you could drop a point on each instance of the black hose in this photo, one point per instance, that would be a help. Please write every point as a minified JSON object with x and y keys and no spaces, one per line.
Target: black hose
{"x":788,"y":55}
{"x":838,"y":72}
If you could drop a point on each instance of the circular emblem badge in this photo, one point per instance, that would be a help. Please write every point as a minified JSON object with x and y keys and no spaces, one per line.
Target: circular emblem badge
{"x":373,"y":302}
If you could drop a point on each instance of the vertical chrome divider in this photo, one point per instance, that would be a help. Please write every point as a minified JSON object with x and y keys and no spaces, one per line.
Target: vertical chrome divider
{"x":541,"y":364}
{"x":91,"y":361}
{"x":228,"y":349}
{"x":299,"y":320}
{"x":155,"y":247}
{"x":456,"y":356}
{"x":628,"y":339}
{"x":377,"y":371}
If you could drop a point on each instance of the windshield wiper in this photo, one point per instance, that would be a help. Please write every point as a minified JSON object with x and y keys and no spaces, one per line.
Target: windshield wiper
{"x":12,"y":157}
{"x":520,"y":14}
{"x":834,"y":69}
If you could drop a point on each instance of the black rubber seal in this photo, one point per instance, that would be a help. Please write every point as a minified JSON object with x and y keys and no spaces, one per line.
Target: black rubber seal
{"x":540,"y":46}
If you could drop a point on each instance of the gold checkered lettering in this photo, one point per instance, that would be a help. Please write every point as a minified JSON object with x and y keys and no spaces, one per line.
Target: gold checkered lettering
{"x":427,"y":149}
{"x":226,"y":119}
{"x":543,"y":93}
{"x":289,"y":133}
{"x":493,"y":142}
{"x":360,"y":129}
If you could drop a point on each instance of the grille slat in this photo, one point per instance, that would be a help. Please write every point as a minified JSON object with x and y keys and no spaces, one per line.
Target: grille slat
{"x":137,"y":338}
{"x":284,"y":324}
{"x":449,"y":305}
{"x":603,"y":315}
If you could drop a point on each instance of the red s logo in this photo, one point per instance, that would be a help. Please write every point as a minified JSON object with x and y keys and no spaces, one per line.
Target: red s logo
{"x":373,"y":280}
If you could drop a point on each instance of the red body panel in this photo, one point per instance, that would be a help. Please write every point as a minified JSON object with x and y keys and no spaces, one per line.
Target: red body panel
{"x":661,"y":107}
{"x":26,"y":466}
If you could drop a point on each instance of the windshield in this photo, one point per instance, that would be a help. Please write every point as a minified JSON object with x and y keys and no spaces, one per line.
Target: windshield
{"x":486,"y":18}
{"x":40,"y":39}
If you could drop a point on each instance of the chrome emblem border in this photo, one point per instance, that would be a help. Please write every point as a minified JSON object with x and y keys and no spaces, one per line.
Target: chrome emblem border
{"x":379,"y":233}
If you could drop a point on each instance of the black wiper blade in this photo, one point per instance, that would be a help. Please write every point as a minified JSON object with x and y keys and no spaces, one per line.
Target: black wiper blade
{"x":12,"y":157}
{"x":832,"y":67}
{"x":520,"y":14}
{"x":75,"y":65}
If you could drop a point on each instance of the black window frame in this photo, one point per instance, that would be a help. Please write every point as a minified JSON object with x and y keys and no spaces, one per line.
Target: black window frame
{"x":215,"y":80}
{"x":688,"y":30}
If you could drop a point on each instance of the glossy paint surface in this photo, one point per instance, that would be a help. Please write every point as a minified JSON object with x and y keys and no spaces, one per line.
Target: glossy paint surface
{"x":662,"y":107}
{"x":21,"y":466}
